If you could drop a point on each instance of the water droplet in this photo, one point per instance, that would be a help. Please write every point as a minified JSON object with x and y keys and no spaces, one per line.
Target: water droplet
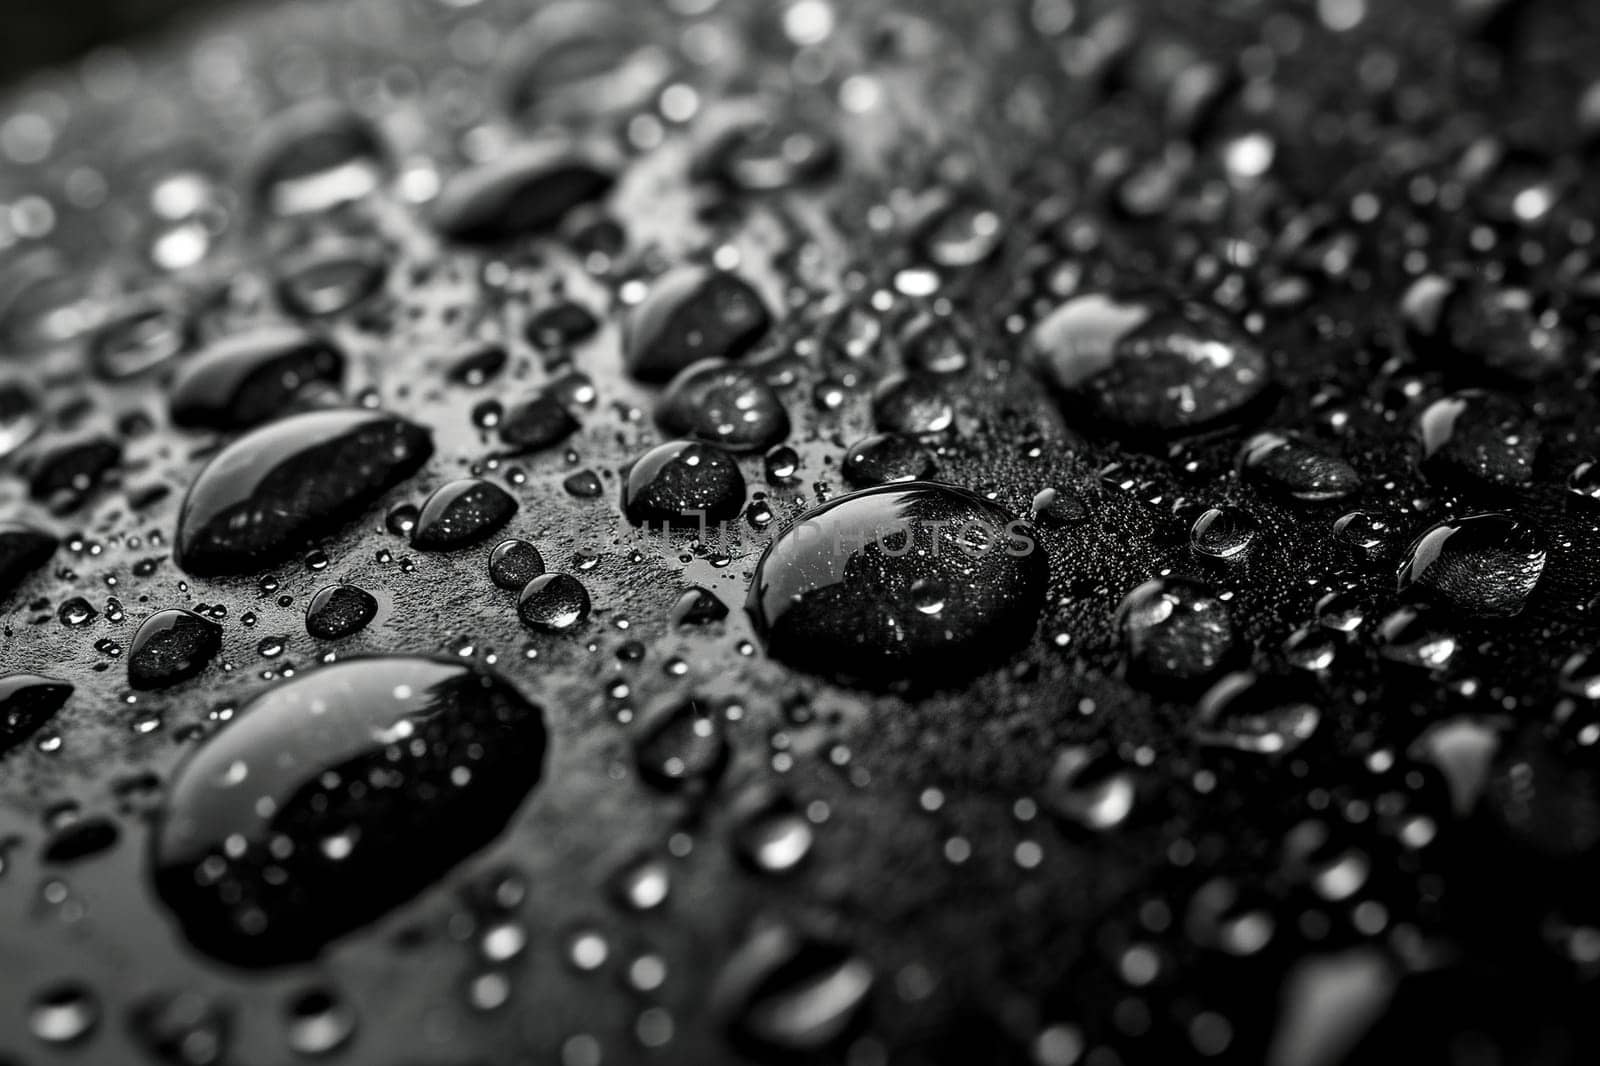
{"x":885,"y":458}
{"x":1478,"y":436}
{"x":683,"y":483}
{"x":514,"y":563}
{"x":771,"y":834}
{"x":318,"y":1022}
{"x":1484,"y":565}
{"x":1150,"y":362}
{"x":787,"y":993}
{"x":313,"y":157}
{"x":538,"y":422}
{"x":1413,"y":638}
{"x":1223,"y":532}
{"x":1498,"y":331}
{"x":642,"y":884}
{"x":414,"y":763}
{"x":698,"y":607}
{"x":1250,"y":713}
{"x":337,"y":611}
{"x":693,"y":313}
{"x":1175,"y":630}
{"x":171,"y":646}
{"x":27,"y":702}
{"x":138,"y":340}
{"x":781,"y":463}
{"x":63,"y":1013}
{"x":768,"y":154}
{"x":460,"y":514}
{"x":834,"y":593}
{"x":553,"y":603}
{"x":1090,"y":788}
{"x":681,"y":744}
{"x":259,"y":499}
{"x":182,"y":1028}
{"x":526,"y":190}
{"x":330,"y":277}
{"x":723,"y":404}
{"x":250,"y":378}
{"x":1296,"y":468}
{"x":912,"y":404}
{"x":76,"y":611}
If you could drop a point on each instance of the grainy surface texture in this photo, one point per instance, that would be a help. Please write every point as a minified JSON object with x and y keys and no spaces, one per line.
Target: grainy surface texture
{"x":1244,"y":713}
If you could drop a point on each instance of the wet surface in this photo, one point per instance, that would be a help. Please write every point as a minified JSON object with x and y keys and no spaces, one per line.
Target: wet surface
{"x":702,"y":532}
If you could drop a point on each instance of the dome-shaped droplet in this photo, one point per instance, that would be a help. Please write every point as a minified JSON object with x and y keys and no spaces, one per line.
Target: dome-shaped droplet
{"x":1478,"y":436}
{"x":886,"y":458}
{"x":1175,"y":630}
{"x":693,"y":313}
{"x":23,"y":549}
{"x":522,"y":192}
{"x":1296,"y":468}
{"x":682,"y":483}
{"x":1483,"y":565}
{"x":318,"y":1023}
{"x":785,"y":993}
{"x":514,"y":563}
{"x":337,"y":611}
{"x":63,"y":473}
{"x":834,"y":593}
{"x":138,"y":340}
{"x":771,"y":834}
{"x":681,"y":743}
{"x":1223,"y":532}
{"x":553,"y":603}
{"x":1491,"y":330}
{"x":251,"y":377}
{"x":731,"y":406}
{"x":186,"y":1028}
{"x":21,"y":415}
{"x":698,"y":607}
{"x":1090,"y":788}
{"x":1150,"y":362}
{"x":537,"y":422}
{"x":768,"y":154}
{"x":460,"y":514}
{"x":1254,"y":714}
{"x":313,"y":157}
{"x":263,"y":496}
{"x":580,"y":60}
{"x":330,"y":278}
{"x":912,"y":404}
{"x":63,"y":1013}
{"x":1416,"y":638}
{"x":27,"y":702}
{"x":333,"y":798}
{"x":171,"y":646}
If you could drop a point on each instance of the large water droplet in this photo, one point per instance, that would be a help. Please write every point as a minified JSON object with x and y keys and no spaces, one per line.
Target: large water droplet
{"x":334,"y":798}
{"x":693,"y":313}
{"x":1175,"y":630}
{"x":337,"y":611}
{"x":460,"y":514}
{"x":524,"y":191}
{"x":1150,"y":362}
{"x":264,"y":495}
{"x":723,"y":404}
{"x":252,"y":377}
{"x":1223,"y":532}
{"x":1296,"y":468}
{"x":23,"y":549}
{"x":1262,"y":715}
{"x":553,"y":603}
{"x":682,"y":483}
{"x":787,"y":993}
{"x":313,"y":157}
{"x":171,"y":646}
{"x":27,"y":702}
{"x":837,"y":592}
{"x":1478,"y":436}
{"x":1485,"y":565}
{"x":886,"y":458}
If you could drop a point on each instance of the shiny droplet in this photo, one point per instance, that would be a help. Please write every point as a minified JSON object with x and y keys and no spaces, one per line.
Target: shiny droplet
{"x":333,"y":798}
{"x":836,"y":593}
{"x":460,"y":514}
{"x":1484,"y":565}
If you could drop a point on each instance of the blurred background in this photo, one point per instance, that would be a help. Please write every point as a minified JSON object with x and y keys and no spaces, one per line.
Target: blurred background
{"x":41,"y":33}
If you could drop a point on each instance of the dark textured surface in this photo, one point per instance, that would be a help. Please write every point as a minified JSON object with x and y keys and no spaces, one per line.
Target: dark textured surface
{"x":995,"y":926}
